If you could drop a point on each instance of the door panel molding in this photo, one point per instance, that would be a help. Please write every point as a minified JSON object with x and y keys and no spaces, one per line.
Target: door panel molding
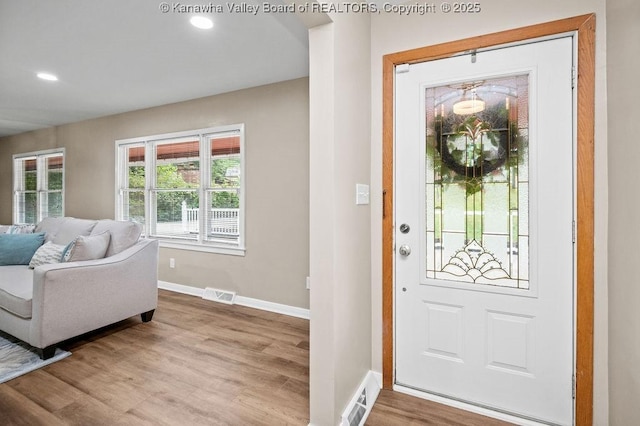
{"x":584,"y":27}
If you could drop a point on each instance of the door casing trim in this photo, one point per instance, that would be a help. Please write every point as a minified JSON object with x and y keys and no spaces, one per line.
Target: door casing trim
{"x":584,"y":26}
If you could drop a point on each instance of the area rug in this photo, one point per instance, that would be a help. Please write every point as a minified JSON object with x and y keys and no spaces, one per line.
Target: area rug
{"x":18,"y":358}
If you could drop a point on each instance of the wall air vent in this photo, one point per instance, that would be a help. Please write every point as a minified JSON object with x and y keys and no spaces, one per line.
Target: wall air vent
{"x":356,"y":416}
{"x":358,"y":409}
{"x":222,"y":296}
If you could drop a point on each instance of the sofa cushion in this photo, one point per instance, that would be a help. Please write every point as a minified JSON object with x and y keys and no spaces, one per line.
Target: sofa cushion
{"x":62,"y":230}
{"x":87,"y":248}
{"x":73,"y":228}
{"x":50,"y":226}
{"x":47,"y":253}
{"x":18,"y":249}
{"x":16,"y":290}
{"x":123,"y":234}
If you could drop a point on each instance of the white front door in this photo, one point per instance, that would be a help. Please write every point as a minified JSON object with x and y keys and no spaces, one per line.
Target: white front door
{"x":484,"y":229}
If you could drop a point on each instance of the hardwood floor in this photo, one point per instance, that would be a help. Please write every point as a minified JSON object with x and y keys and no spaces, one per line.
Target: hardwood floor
{"x":196,"y":363}
{"x":398,"y":409}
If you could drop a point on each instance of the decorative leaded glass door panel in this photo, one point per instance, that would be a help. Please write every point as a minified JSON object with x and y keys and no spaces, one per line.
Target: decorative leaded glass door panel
{"x":484,"y":211}
{"x":476,"y":178}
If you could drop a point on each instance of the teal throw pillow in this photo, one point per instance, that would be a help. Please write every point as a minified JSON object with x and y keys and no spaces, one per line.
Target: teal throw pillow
{"x":18,"y":249}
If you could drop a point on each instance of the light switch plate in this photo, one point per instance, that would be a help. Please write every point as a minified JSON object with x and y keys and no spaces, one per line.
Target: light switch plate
{"x":362,"y":193}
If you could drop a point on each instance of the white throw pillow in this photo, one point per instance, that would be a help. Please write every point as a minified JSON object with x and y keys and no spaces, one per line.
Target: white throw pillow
{"x":24,"y":228}
{"x":47,"y":253}
{"x":87,"y":248}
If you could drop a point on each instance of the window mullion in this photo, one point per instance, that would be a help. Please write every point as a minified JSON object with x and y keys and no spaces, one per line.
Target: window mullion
{"x":18,"y":187}
{"x":40,"y":186}
{"x":241,"y":187}
{"x":121,"y":165}
{"x":205,"y":182}
{"x":150,"y":179}
{"x":62,"y":180}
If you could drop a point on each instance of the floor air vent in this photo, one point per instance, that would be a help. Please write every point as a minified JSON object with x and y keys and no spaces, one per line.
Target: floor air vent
{"x":221,"y":296}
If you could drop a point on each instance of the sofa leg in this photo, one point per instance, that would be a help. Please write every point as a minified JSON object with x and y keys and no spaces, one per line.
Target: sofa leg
{"x":47,"y":352}
{"x":146,"y":316}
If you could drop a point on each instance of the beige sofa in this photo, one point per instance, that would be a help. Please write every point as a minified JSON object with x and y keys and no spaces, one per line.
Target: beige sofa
{"x":57,"y":301}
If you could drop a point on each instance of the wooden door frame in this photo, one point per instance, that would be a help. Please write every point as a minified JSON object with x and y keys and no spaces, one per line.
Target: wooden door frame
{"x":584,"y":26}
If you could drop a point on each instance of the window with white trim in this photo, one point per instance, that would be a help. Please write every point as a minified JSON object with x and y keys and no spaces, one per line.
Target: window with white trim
{"x":38,"y":186}
{"x":186,"y":188}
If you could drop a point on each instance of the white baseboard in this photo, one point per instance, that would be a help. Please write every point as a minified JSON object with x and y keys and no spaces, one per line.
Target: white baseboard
{"x":371,"y":385}
{"x":179,"y":288}
{"x":279,"y":308}
{"x":264,"y":305}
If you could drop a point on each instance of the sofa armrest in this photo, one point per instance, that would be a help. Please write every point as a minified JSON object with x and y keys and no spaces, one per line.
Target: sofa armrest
{"x":73,"y":298}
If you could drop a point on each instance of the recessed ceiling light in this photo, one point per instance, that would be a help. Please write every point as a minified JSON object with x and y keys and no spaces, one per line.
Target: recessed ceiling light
{"x":201,"y":22}
{"x":47,"y":76}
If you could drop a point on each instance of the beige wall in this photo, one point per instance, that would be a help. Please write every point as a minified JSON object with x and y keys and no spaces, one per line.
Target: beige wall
{"x":322,"y":357}
{"x":276,"y":122}
{"x":393,"y":33}
{"x":343,"y":289}
{"x":623,"y":62}
{"x":339,"y":229}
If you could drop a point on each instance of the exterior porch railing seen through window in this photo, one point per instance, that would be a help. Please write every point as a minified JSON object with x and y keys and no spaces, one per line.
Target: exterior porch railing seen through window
{"x":221,"y":222}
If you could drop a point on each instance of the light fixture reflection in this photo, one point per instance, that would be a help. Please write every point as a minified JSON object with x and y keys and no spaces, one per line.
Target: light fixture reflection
{"x":469,"y":105}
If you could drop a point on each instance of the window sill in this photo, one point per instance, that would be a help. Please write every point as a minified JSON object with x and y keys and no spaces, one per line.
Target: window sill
{"x":233,"y":251}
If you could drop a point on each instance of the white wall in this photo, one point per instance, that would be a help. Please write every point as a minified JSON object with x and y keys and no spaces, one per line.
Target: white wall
{"x":340,"y":261}
{"x":392,"y":33}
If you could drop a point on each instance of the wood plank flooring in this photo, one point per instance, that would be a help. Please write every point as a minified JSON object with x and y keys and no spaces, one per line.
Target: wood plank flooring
{"x":196,"y":363}
{"x":398,"y":409}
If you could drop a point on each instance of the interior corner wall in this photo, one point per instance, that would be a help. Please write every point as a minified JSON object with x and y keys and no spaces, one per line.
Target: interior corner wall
{"x":394,"y":33}
{"x":340,"y":262}
{"x":276,"y":119}
{"x":623,"y":61}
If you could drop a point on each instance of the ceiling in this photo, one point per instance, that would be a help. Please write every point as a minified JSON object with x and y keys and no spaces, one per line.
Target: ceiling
{"x":121,"y":55}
